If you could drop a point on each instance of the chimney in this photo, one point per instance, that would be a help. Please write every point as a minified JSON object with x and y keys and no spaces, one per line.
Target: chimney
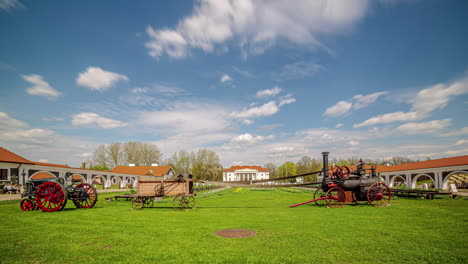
{"x":154,"y":164}
{"x":131,"y":165}
{"x":83,"y":165}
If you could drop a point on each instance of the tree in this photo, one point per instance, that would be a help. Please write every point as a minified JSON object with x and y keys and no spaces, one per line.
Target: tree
{"x":304,"y":165}
{"x":206,"y":165}
{"x":272,"y":167}
{"x":287,"y":169}
{"x":180,"y":162}
{"x":141,"y":154}
{"x":100,"y":156}
{"x":114,"y":154}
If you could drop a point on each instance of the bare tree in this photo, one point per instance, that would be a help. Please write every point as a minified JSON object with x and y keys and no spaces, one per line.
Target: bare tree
{"x":141,"y":154}
{"x":180,"y":161}
{"x":272,"y":168}
{"x":114,"y":154}
{"x":100,"y":156}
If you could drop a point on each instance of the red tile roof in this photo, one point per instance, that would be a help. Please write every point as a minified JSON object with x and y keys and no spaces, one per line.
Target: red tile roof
{"x":8,"y":156}
{"x":158,"y":171}
{"x":437,"y":163}
{"x":258,"y":168}
{"x":51,"y":165}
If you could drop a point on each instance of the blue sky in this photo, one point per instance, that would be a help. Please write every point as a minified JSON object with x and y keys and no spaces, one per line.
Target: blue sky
{"x":256,"y":81}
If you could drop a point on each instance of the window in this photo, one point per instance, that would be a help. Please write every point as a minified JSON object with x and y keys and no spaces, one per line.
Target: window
{"x":3,"y":174}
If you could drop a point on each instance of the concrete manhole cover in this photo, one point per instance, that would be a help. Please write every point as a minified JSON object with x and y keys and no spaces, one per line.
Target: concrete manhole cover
{"x":235,"y":233}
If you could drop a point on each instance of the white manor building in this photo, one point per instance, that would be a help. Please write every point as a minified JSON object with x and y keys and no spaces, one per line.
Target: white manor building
{"x":245,"y":173}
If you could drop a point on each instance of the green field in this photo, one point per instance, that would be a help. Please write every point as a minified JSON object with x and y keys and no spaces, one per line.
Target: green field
{"x":408,"y":231}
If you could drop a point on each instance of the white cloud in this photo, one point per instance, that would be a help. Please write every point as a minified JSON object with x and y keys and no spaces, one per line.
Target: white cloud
{"x":84,"y":119}
{"x":354,"y":143}
{"x":266,"y":109}
{"x":365,"y":100}
{"x":390,"y":118}
{"x":438,"y":96}
{"x":10,"y":5}
{"x":357,"y":102}
{"x":463,"y":131}
{"x":461,"y":142}
{"x":339,"y":125}
{"x":286,"y":101}
{"x":339,"y":109}
{"x":425,"y":127}
{"x":298,"y":70}
{"x":140,"y":90}
{"x":281,"y":149}
{"x":256,"y":25}
{"x":248,"y":139}
{"x":247,"y":122}
{"x":40,"y":87}
{"x":8,"y":122}
{"x":225,"y":78}
{"x":425,"y":101}
{"x":85,"y":155}
{"x":269,"y":92}
{"x":187,"y":118}
{"x":95,"y":78}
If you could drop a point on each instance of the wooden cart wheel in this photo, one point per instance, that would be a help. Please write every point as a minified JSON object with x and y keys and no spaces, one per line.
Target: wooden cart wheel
{"x":319,"y":193}
{"x":336,"y":197}
{"x":177,"y":202}
{"x":51,"y":197}
{"x":379,"y":194}
{"x":28,"y":205}
{"x":89,"y":198}
{"x":137,"y":203}
{"x":149,"y":202}
{"x":191,"y":202}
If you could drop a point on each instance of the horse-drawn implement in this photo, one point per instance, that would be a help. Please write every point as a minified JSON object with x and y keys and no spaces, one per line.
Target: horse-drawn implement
{"x":51,"y":195}
{"x":180,"y":188}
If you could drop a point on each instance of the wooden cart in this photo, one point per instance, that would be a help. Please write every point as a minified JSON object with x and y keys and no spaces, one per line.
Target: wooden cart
{"x":180,"y":187}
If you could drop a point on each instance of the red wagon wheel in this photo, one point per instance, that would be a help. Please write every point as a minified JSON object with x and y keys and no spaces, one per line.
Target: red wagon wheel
{"x":336,"y":197}
{"x":379,"y":194}
{"x":28,"y":205}
{"x":51,"y":197}
{"x":319,"y":193}
{"x":89,"y":198}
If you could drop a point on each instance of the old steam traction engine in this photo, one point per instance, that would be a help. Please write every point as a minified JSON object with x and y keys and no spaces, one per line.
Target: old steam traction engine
{"x":340,"y":185}
{"x":51,"y":195}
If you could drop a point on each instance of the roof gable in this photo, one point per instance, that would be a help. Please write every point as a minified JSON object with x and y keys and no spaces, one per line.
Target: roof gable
{"x":8,"y":156}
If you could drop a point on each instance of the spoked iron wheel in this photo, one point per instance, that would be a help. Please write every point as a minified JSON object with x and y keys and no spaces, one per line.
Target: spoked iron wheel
{"x":90,"y":196}
{"x":137,"y":203}
{"x":149,"y":202}
{"x":379,"y":194}
{"x":178,"y":203}
{"x":336,"y":197}
{"x":319,"y":193}
{"x":191,"y":202}
{"x":28,"y":205}
{"x":51,"y":197}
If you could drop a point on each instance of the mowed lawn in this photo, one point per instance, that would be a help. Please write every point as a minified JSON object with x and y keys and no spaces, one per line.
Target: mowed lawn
{"x":408,"y":231}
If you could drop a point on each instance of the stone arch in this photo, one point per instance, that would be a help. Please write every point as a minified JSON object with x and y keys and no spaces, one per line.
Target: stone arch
{"x":42,"y":175}
{"x":446,"y":180}
{"x":99,"y":181}
{"x":397,"y":180}
{"x":116,"y":181}
{"x":415,"y":179}
{"x":78,"y":178}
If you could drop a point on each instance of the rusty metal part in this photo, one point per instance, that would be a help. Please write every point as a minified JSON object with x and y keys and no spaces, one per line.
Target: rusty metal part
{"x":235,"y":233}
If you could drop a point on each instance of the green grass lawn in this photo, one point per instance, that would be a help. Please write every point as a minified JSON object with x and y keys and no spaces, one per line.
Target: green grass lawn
{"x":408,"y":231}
